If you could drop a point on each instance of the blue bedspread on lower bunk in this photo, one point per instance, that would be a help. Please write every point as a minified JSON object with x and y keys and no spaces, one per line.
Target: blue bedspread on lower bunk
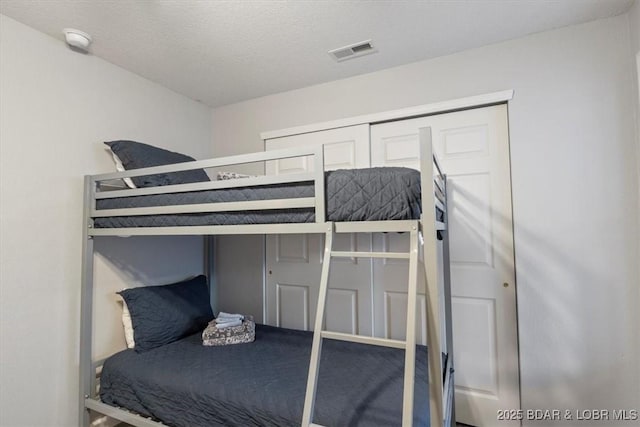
{"x":263,"y":383}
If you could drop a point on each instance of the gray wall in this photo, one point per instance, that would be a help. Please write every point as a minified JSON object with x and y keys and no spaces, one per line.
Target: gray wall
{"x":575,"y":194}
{"x":56,"y":108}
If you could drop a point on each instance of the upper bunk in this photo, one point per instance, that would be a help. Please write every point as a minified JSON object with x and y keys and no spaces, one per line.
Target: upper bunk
{"x":387,"y":199}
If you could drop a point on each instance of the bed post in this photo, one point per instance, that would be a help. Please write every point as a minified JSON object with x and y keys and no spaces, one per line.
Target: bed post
{"x":209,"y":248}
{"x":450,"y":410}
{"x":410,"y":348}
{"x":428,"y":220}
{"x":86,"y":304}
{"x":319,"y":192}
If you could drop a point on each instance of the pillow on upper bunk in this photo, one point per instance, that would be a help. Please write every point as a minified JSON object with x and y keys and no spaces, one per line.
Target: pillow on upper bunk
{"x":120,"y":168}
{"x":163,"y":314}
{"x":136,"y":155}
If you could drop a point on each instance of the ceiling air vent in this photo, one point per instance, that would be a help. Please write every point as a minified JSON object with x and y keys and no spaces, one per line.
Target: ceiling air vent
{"x":353,"y":51}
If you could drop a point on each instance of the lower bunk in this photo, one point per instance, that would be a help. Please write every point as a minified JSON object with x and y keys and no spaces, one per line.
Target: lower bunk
{"x":263,"y":383}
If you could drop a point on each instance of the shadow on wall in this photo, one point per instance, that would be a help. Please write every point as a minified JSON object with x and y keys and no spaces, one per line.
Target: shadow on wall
{"x":556,"y":313}
{"x":136,"y":261}
{"x":151,"y":260}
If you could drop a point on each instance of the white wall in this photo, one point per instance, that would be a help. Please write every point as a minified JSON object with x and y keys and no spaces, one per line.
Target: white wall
{"x":575,"y":194}
{"x":634,"y":26}
{"x":56,"y":108}
{"x":634,"y":36}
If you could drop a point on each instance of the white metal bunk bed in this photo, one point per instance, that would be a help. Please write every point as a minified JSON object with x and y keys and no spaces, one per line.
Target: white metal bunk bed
{"x":422,"y":234}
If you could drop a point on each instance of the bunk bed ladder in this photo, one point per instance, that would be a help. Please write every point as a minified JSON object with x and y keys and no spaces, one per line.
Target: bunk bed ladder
{"x":319,"y":333}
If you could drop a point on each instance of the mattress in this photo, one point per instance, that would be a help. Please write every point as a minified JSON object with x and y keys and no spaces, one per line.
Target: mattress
{"x":263,"y":383}
{"x":373,"y":194}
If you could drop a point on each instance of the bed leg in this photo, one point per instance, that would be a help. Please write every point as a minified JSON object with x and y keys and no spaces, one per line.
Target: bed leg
{"x":447,"y":312}
{"x":209,"y":271}
{"x":410,"y":351}
{"x":434,"y":343}
{"x":86,"y":307}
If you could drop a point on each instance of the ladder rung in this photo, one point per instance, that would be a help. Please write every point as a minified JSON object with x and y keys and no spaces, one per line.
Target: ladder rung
{"x":342,"y":254}
{"x":383,"y":342}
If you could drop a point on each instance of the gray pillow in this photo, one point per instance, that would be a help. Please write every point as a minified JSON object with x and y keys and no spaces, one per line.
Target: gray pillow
{"x":164,"y":314}
{"x":136,"y":155}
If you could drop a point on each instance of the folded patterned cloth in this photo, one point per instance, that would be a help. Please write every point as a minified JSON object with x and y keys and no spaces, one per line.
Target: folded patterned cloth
{"x":243,"y":332}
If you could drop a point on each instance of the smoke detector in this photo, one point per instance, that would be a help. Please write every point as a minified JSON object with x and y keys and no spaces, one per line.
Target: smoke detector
{"x":77,"y":39}
{"x":352,"y":51}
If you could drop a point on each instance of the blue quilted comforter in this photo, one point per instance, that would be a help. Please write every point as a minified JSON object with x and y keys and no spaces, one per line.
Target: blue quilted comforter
{"x":373,"y":194}
{"x":263,"y":383}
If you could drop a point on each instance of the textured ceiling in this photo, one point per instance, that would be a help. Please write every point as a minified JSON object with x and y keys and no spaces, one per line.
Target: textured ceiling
{"x":221,"y":52}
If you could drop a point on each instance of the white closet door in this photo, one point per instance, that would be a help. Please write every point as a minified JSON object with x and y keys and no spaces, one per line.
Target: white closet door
{"x":473,"y":148}
{"x":293,"y":261}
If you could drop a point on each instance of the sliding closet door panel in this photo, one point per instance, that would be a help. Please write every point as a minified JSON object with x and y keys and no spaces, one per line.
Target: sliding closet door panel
{"x":390,"y":284}
{"x":291,"y":295}
{"x":396,"y":144}
{"x":294,"y":262}
{"x":473,"y":148}
{"x":344,"y":148}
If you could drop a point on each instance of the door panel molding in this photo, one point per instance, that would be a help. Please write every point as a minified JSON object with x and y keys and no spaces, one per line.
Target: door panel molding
{"x":292,"y":306}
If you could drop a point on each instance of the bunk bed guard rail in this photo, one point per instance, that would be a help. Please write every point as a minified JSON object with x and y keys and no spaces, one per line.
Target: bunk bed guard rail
{"x":317,"y":202}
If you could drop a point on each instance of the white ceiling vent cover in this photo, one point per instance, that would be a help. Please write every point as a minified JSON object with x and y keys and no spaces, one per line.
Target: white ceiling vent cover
{"x":353,"y":51}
